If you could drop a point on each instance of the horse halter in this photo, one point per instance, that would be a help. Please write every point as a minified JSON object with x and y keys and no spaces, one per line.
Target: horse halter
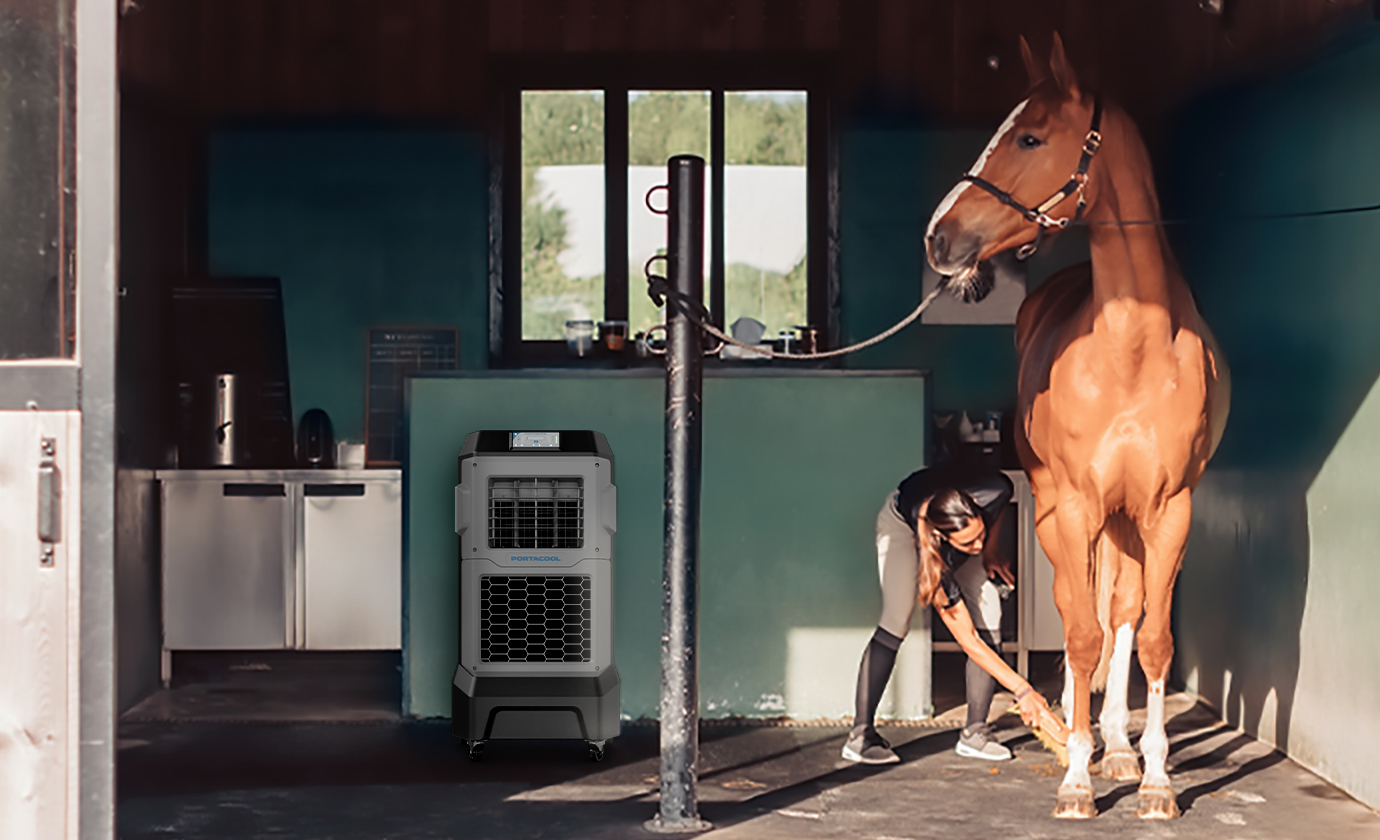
{"x":1077,"y":183}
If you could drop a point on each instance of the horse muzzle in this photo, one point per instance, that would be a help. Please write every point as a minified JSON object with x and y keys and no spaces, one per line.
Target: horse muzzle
{"x":950,"y":249}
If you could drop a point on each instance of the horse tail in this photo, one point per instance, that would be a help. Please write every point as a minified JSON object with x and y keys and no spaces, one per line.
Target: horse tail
{"x":1106,"y":562}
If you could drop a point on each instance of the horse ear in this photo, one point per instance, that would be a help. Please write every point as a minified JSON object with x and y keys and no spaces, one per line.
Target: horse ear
{"x":1034,"y":70}
{"x":1064,"y":76}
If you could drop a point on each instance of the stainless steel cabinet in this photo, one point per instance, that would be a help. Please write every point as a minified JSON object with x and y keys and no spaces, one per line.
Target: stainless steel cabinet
{"x":259,"y":559}
{"x":225,"y":585}
{"x":350,"y":557}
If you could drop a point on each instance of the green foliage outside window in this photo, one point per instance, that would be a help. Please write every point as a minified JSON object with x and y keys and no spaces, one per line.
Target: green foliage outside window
{"x":562,"y":128}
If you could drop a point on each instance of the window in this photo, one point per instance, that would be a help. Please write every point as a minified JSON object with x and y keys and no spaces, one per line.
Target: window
{"x":576,"y":233}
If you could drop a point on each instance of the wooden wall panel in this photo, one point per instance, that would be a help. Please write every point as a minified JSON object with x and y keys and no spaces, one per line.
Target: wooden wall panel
{"x":283,"y":60}
{"x":749,"y":25}
{"x":466,"y":49}
{"x":324,"y":39}
{"x":681,"y":29}
{"x":543,"y":26}
{"x":895,"y":46}
{"x":785,"y":25}
{"x":157,"y":49}
{"x":820,"y":24}
{"x":612,"y":30}
{"x":505,"y":25}
{"x":428,"y":58}
{"x":647,"y":25}
{"x":579,"y":26}
{"x":716,"y":25}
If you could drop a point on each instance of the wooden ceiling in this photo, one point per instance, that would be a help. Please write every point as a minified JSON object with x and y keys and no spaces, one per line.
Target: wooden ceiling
{"x":432,"y":59}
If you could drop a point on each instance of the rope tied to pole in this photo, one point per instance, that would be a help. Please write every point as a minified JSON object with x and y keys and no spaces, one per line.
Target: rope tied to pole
{"x":662,"y":293}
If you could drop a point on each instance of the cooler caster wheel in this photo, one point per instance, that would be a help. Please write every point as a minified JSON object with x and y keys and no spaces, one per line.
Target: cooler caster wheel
{"x":596,"y":751}
{"x":476,"y":750}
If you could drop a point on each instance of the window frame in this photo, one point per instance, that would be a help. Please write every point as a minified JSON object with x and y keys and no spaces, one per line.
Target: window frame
{"x":717,"y":74}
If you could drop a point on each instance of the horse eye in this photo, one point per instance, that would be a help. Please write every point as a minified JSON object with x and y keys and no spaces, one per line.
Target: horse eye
{"x":1029,"y":141}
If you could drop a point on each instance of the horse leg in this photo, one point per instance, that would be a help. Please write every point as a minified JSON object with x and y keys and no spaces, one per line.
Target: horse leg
{"x":1047,"y":531}
{"x":1164,"y":551}
{"x":1119,"y":762}
{"x":1077,"y":602}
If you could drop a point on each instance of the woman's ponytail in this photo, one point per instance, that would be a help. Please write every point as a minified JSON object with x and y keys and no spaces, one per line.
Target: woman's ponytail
{"x":931,"y":564}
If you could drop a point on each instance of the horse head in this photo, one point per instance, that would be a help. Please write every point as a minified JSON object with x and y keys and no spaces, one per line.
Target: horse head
{"x":1031,"y":178}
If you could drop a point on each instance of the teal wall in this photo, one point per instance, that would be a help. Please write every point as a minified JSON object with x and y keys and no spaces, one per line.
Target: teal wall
{"x":386,"y":227}
{"x":389,"y":227}
{"x":891,"y":179}
{"x":795,"y":470}
{"x":1276,"y":604}
{"x":365,"y":228}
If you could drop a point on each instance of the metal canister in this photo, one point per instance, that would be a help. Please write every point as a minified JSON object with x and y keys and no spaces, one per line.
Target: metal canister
{"x":223,"y":449}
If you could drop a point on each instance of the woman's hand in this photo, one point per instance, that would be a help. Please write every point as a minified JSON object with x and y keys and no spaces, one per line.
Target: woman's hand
{"x":1032,"y":705}
{"x":998,"y":566}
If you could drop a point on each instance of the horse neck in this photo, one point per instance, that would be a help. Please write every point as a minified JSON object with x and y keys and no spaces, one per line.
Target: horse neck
{"x":1133,"y":262}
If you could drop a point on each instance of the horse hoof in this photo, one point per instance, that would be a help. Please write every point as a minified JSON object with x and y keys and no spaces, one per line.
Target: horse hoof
{"x":1074,"y":803}
{"x":1121,"y":766}
{"x":1157,"y":803}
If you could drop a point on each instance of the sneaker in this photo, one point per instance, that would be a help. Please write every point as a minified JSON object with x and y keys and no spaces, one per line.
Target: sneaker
{"x":975,"y":742}
{"x":868,"y":747}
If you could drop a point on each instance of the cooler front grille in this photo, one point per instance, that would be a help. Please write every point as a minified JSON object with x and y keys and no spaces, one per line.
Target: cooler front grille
{"x":536,"y":513}
{"x":534,"y":618}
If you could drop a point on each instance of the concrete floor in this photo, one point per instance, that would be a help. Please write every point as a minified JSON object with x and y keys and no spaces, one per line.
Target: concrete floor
{"x":186,"y":771}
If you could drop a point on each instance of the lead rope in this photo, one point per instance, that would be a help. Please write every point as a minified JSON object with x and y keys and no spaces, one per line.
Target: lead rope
{"x":660,"y":291}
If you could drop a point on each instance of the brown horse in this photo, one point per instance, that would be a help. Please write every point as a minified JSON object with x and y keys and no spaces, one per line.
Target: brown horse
{"x":1123,"y":397}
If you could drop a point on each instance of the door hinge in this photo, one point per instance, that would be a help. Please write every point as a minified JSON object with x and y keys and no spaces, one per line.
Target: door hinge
{"x":49,"y":501}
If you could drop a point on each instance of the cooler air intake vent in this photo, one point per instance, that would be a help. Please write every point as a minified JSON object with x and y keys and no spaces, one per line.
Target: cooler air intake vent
{"x":534,"y":618}
{"x":536,"y":513}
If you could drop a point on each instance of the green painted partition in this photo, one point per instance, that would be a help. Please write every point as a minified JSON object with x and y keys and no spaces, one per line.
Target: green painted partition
{"x":796,"y":465}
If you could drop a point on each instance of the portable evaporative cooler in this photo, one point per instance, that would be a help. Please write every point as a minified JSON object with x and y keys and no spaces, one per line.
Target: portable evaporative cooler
{"x":536,"y":513}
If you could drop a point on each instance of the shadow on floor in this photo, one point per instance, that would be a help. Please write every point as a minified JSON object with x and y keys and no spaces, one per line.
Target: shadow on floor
{"x":297,"y":778}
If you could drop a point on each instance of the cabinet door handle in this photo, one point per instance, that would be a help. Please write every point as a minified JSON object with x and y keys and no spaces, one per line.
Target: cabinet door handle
{"x":335,"y":489}
{"x":49,"y":499}
{"x":254,"y":490}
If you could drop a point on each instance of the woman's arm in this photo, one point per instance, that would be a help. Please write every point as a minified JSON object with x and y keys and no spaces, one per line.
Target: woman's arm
{"x":960,"y":624}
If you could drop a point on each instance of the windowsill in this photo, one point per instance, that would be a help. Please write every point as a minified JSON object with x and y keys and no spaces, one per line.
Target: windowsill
{"x":712,"y":369}
{"x":555,"y":355}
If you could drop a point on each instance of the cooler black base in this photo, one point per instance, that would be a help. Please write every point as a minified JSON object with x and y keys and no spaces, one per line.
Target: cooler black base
{"x":514,"y":707}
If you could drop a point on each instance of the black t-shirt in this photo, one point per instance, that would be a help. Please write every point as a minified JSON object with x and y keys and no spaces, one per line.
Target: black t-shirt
{"x":988,"y":488}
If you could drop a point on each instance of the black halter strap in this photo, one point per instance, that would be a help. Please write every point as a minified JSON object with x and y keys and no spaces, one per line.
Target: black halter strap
{"x":1077,"y":184}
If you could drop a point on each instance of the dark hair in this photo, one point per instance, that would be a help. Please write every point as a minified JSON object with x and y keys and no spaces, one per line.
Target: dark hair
{"x":945,"y":512}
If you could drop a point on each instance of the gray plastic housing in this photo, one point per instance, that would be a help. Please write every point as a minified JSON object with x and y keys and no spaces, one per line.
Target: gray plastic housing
{"x":594,"y":558}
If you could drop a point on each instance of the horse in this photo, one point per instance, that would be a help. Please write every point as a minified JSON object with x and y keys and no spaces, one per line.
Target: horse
{"x":1123,"y":396}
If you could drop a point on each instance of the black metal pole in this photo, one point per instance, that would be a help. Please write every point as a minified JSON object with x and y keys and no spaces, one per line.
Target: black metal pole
{"x":680,"y":567}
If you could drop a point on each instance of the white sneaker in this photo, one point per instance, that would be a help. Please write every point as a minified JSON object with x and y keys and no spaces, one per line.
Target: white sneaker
{"x":868,"y":747}
{"x":977,"y":742}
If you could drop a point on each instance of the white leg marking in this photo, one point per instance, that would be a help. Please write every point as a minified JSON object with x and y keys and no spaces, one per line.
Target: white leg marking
{"x":1114,"y":711}
{"x":1154,"y":744}
{"x":1080,"y":754}
{"x":1066,"y":699}
{"x":948,"y":203}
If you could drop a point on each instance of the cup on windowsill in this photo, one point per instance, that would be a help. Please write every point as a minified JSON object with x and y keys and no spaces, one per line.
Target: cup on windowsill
{"x":614,"y":335}
{"x":579,"y":337}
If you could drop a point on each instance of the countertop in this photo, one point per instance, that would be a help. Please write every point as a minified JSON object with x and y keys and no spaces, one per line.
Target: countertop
{"x":284,"y":475}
